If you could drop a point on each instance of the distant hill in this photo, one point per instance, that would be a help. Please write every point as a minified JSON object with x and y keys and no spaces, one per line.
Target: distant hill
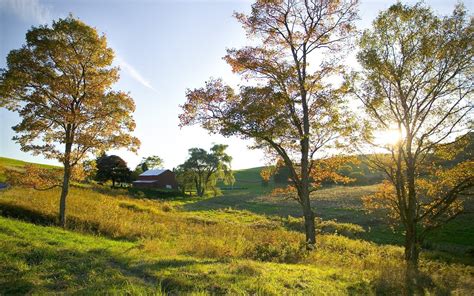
{"x":362,"y":173}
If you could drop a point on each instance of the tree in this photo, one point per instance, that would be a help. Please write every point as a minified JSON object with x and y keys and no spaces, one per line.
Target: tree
{"x":112,"y":167}
{"x":60,"y":83}
{"x":417,"y":81}
{"x":151,"y":162}
{"x":266,"y":173}
{"x":292,"y":110}
{"x":185,"y":179}
{"x":206,"y":168}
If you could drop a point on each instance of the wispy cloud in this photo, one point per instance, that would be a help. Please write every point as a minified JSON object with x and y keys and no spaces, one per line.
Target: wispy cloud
{"x":130,"y":70}
{"x":27,"y":10}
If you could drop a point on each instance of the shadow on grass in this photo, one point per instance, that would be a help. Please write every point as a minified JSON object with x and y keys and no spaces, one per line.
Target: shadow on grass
{"x":28,"y":215}
{"x":39,"y":218}
{"x":244,"y":201}
{"x":39,"y":267}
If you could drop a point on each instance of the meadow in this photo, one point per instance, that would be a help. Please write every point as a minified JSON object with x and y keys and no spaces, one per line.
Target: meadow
{"x":245,"y":242}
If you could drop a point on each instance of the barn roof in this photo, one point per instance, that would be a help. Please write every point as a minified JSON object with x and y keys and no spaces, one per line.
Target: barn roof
{"x":153,"y":172}
{"x":145,"y":181}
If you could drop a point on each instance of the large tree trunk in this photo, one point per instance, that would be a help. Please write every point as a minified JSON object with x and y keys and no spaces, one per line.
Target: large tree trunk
{"x":309,"y":224}
{"x":199,"y":187}
{"x":64,"y":193}
{"x":411,"y":246}
{"x":66,"y":177}
{"x":411,"y":259}
{"x":412,"y":249}
{"x":310,"y":228}
{"x":411,"y":237}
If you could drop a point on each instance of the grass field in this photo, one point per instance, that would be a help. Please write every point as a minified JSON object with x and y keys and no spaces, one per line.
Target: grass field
{"x":244,"y":242}
{"x":343,"y":204}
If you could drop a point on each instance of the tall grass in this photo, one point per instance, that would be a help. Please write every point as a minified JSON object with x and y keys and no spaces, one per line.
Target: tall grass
{"x":163,"y":229}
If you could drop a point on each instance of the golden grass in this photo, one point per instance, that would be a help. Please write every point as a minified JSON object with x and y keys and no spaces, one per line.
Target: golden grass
{"x":163,"y":229}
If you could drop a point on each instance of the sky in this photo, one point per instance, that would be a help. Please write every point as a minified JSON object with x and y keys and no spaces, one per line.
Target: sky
{"x":162,"y":48}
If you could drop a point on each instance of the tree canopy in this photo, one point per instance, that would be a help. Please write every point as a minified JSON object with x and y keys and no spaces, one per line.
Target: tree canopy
{"x":112,"y":167}
{"x":417,"y":80}
{"x":60,"y":83}
{"x":204,"y":168}
{"x":291,"y":109}
{"x":151,"y":162}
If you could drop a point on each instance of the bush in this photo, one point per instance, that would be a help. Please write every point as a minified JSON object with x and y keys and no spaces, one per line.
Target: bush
{"x":154,"y":193}
{"x":327,"y":227}
{"x":294,"y":223}
{"x":345,"y":229}
{"x":284,"y":252}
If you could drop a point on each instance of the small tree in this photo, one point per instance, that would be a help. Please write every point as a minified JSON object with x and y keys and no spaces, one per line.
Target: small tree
{"x":206,"y":168}
{"x":292,"y":108}
{"x":60,"y":85}
{"x":417,"y":81}
{"x":266,"y":173}
{"x":151,"y":162}
{"x":112,"y":167}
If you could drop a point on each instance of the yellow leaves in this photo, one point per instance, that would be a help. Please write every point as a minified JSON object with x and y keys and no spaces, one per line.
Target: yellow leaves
{"x":451,"y":150}
{"x":328,"y":169}
{"x":384,"y":199}
{"x":266,"y":173}
{"x":286,"y":192}
{"x":35,"y":177}
{"x":62,"y":82}
{"x":437,"y":195}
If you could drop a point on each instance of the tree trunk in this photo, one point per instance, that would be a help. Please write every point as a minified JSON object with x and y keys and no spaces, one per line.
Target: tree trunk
{"x":411,"y":246}
{"x":66,"y":177}
{"x":411,"y":260}
{"x":412,"y":249}
{"x":309,"y":224}
{"x":64,"y":193}
{"x":199,"y":189}
{"x":411,"y":236}
{"x":310,"y":229}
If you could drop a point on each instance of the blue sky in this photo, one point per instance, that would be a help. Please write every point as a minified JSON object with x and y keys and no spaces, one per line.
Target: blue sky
{"x":162,"y":47}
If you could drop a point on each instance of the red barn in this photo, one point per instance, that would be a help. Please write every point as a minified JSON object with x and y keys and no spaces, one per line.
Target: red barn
{"x":162,"y":179}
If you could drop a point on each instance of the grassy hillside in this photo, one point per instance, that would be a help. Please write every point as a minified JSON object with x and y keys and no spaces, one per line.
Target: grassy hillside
{"x":38,"y":259}
{"x":15,"y":164}
{"x":340,"y":203}
{"x":244,"y":242}
{"x":163,"y":248}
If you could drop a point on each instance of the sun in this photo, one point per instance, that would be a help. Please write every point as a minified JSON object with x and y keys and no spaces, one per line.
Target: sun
{"x":388,"y":137}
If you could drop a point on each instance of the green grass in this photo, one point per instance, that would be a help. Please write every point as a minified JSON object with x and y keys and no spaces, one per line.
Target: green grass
{"x":39,"y":260}
{"x":343,"y":204}
{"x":161,"y":246}
{"x":244,"y":242}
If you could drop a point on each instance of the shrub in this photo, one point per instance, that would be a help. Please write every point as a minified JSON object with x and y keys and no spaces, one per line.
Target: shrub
{"x":345,"y":229}
{"x":284,"y":252}
{"x":327,"y":227}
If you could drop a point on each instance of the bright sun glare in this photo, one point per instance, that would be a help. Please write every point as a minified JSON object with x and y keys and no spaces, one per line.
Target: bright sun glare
{"x":388,"y":137}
